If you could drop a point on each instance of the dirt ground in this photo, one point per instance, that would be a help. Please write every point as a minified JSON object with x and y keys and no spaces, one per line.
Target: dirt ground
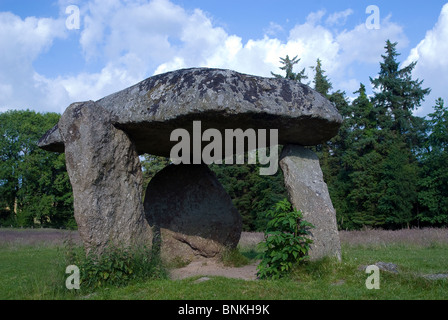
{"x":211,"y":267}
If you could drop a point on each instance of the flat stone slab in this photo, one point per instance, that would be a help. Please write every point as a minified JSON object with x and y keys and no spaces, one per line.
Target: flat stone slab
{"x":222,"y":99}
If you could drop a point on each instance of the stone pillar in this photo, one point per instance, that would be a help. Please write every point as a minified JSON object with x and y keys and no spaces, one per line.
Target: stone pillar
{"x":191,"y":212}
{"x":106,"y":177}
{"x":309,"y":193}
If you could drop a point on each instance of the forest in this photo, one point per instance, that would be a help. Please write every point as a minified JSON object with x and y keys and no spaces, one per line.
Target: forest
{"x":385,"y":169}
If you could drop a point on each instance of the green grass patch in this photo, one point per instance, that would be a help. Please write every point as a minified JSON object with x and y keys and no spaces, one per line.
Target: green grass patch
{"x":234,"y":258}
{"x":30,"y":272}
{"x":38,"y":272}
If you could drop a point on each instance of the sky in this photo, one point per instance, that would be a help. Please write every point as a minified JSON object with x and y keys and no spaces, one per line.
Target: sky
{"x":56,"y":52}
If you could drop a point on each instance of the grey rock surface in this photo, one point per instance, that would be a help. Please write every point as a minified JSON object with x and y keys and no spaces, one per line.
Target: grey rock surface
{"x":222,"y":99}
{"x":387,"y":266}
{"x":191,"y":212}
{"x":383,"y":266}
{"x":436,"y":276}
{"x":309,"y":193}
{"x":106,"y":177}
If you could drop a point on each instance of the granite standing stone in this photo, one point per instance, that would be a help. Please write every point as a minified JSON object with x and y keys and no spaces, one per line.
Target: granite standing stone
{"x":106,"y":177}
{"x":309,"y":193}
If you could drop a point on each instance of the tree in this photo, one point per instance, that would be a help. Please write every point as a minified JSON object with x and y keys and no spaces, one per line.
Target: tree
{"x":433,"y":183}
{"x":321,"y":82}
{"x":398,"y":136}
{"x":397,"y":96}
{"x":34,"y":184}
{"x":288,"y":66}
{"x":359,"y":165}
{"x":151,"y":165}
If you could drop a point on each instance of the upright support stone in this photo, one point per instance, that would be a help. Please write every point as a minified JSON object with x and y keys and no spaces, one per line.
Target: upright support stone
{"x":309,"y":193}
{"x":191,"y":212}
{"x":106,"y":177}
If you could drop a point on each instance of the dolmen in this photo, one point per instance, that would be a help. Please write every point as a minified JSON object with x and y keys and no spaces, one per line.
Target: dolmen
{"x":192,"y":116}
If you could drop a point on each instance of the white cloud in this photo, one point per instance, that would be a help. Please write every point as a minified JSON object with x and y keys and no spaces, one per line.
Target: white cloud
{"x":134,"y":39}
{"x":367,"y":45}
{"x":273,"y":29}
{"x":338,"y":18}
{"x":308,"y":41}
{"x":22,"y":41}
{"x":315,"y":17}
{"x":432,"y":62}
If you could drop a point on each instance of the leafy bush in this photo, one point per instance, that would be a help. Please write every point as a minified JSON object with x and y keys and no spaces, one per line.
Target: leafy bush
{"x":116,"y":266}
{"x":286,"y":241}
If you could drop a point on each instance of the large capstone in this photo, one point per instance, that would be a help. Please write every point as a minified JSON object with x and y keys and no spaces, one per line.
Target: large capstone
{"x":191,"y":213}
{"x":106,"y":178}
{"x":221,"y":99}
{"x":309,"y":193}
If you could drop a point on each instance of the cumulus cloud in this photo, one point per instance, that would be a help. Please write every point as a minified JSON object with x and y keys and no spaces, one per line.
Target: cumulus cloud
{"x":309,"y":41}
{"x":131,"y":40}
{"x":22,"y":41}
{"x":432,"y":62}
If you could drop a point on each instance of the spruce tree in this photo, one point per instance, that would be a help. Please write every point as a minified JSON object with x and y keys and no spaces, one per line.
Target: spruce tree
{"x":362,"y":163}
{"x":396,"y":96}
{"x":288,"y":65}
{"x":433,"y":183}
{"x":321,"y":82}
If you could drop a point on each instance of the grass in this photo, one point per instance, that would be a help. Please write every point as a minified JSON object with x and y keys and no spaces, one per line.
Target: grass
{"x":235,"y":257}
{"x":37,"y":272}
{"x":30,"y":272}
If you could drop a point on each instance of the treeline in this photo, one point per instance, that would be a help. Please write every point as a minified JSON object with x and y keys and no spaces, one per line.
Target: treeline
{"x":385,"y":169}
{"x":34,"y":186}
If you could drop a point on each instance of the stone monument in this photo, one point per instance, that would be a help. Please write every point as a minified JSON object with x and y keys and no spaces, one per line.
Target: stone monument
{"x":185,"y":206}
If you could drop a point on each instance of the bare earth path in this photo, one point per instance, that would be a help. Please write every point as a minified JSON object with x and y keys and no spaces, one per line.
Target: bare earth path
{"x":215,"y":268}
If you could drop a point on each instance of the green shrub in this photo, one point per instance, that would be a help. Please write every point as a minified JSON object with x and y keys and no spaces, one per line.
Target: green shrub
{"x":286,"y":241}
{"x":116,"y":266}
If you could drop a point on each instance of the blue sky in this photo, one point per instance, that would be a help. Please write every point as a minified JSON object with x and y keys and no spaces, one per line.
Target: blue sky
{"x":45,"y":66}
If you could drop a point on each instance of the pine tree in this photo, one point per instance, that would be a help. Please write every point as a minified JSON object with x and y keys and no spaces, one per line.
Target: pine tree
{"x":396,"y":96}
{"x":288,"y":66}
{"x":321,"y":82}
{"x":362,"y":162}
{"x":433,"y":183}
